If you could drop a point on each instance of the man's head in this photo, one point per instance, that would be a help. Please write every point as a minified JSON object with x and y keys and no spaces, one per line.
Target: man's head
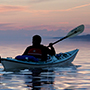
{"x":36,"y":40}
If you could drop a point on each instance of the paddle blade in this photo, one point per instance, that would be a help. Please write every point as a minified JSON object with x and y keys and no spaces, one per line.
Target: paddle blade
{"x":76,"y":31}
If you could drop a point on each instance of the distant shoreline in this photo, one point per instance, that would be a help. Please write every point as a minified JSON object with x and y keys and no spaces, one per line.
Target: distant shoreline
{"x":81,"y":37}
{"x":27,"y":39}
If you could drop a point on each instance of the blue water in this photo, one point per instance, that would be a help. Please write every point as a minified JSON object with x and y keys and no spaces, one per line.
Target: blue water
{"x":74,"y":77}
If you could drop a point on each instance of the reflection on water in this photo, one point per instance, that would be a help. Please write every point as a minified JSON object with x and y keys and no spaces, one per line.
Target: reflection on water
{"x":74,"y":77}
{"x":39,"y":79}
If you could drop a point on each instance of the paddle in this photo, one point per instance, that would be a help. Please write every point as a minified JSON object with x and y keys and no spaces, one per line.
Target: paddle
{"x":72,"y":33}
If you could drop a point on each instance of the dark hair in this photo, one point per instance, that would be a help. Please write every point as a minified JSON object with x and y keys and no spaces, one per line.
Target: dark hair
{"x":37,"y":38}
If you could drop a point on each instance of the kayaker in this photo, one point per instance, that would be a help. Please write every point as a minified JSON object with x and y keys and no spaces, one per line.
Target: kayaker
{"x":38,"y":50}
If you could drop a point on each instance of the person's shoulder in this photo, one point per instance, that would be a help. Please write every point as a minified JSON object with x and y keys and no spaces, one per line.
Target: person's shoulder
{"x":45,"y":47}
{"x":29,"y":46}
{"x":42,"y":45}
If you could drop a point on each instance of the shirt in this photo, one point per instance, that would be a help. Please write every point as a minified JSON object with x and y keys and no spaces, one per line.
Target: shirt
{"x":41,"y":51}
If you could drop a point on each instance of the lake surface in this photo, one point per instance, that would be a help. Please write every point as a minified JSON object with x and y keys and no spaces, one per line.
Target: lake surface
{"x":74,"y":77}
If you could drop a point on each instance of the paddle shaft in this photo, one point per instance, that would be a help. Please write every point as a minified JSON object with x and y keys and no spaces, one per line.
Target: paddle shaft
{"x":63,"y":38}
{"x":60,"y":40}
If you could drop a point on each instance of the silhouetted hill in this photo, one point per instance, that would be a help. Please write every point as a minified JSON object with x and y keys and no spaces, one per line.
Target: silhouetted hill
{"x":82,"y":37}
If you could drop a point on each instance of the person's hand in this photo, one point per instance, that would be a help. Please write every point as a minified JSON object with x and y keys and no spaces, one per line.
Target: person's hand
{"x":50,"y":44}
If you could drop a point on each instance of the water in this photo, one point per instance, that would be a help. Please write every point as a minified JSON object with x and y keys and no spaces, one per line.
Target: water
{"x":74,"y":77}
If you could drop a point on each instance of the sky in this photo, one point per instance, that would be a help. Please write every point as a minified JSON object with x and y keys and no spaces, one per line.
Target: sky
{"x":44,"y":15}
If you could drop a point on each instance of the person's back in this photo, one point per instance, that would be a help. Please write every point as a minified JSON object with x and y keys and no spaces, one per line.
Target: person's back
{"x":37,"y":50}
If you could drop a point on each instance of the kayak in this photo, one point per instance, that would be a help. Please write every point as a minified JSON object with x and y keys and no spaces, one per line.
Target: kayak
{"x":61,"y":59}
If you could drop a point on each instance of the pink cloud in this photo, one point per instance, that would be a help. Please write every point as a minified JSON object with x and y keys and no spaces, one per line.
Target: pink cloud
{"x":13,"y":26}
{"x":41,"y":27}
{"x":8,"y":26}
{"x":62,"y":10}
{"x":63,"y":22}
{"x":6,"y":8}
{"x":81,"y":6}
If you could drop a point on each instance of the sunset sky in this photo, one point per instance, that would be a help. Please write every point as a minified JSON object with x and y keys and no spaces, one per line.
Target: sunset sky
{"x":44,"y":14}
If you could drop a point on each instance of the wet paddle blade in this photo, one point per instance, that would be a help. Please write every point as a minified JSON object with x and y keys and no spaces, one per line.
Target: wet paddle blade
{"x":72,"y":33}
{"x":76,"y":31}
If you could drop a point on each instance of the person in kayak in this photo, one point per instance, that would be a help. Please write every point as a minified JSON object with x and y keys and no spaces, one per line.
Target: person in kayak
{"x":38,"y":50}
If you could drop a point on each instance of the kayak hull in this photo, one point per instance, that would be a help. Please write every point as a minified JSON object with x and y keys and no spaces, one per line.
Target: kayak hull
{"x":13,"y":64}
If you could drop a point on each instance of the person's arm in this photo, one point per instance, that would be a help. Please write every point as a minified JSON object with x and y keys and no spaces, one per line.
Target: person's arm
{"x":26,"y":51}
{"x":52,"y":50}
